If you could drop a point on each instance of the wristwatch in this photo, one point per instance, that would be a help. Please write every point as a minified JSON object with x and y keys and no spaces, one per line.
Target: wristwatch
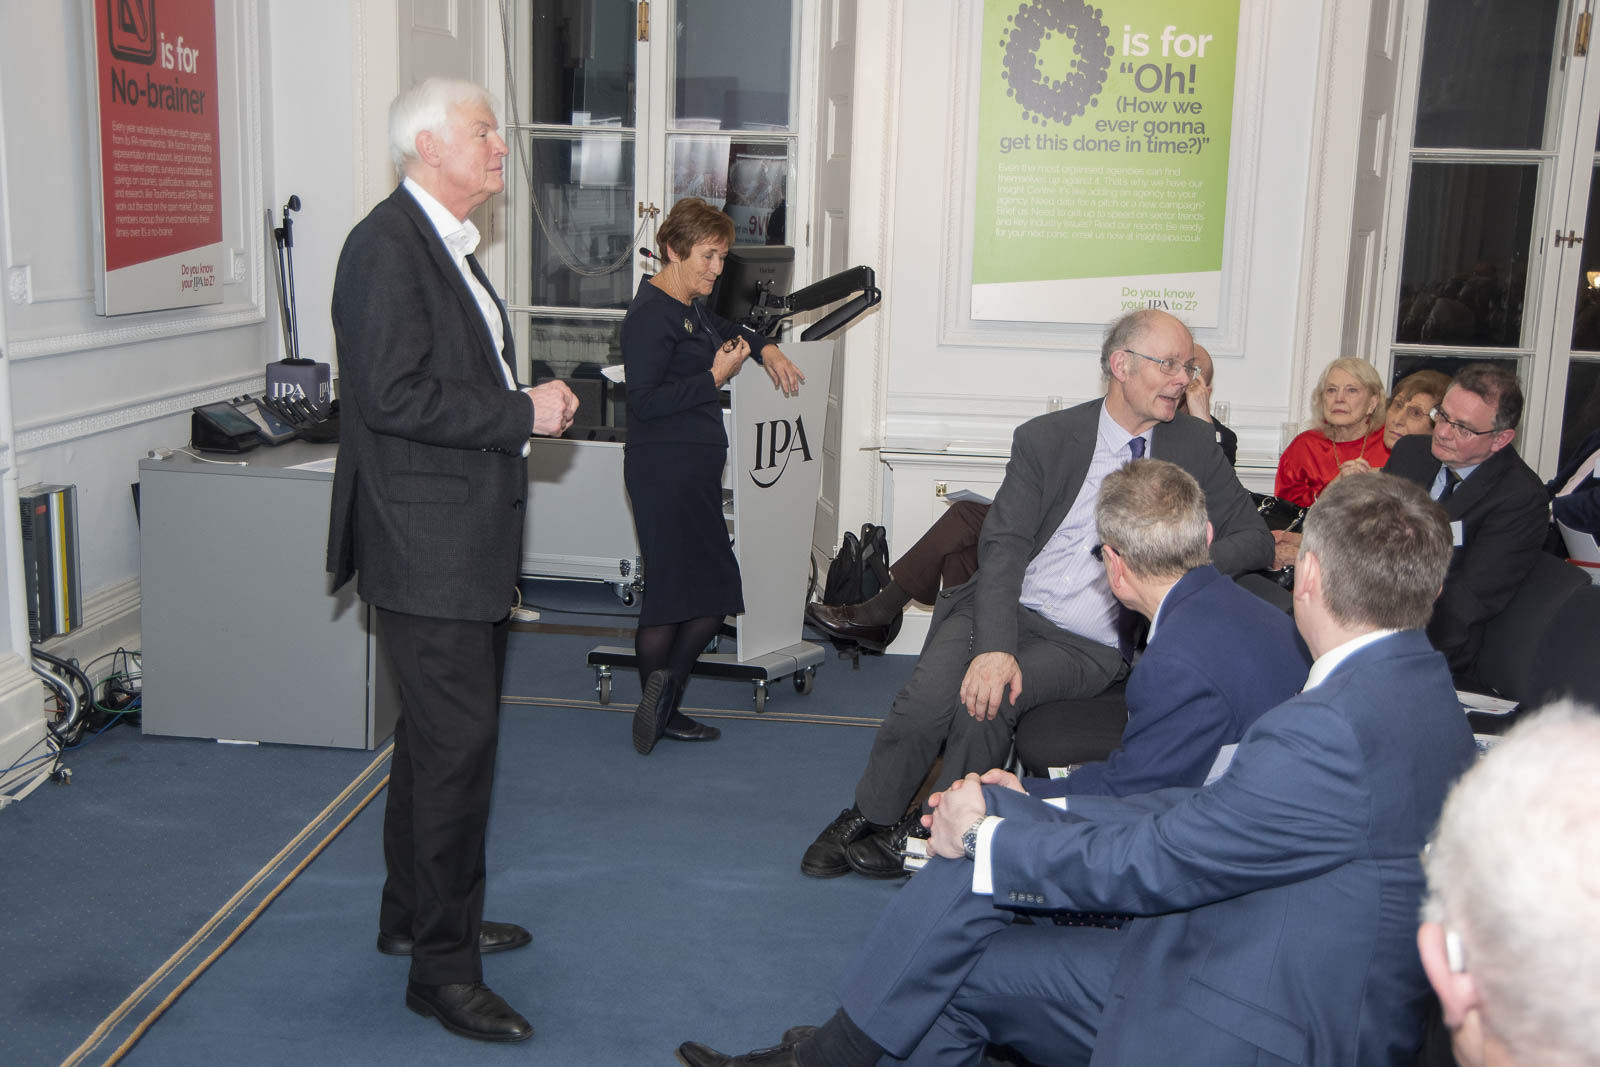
{"x":969,"y":840}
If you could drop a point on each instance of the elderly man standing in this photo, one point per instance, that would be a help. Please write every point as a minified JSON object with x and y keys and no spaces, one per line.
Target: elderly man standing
{"x":1511,"y":927}
{"x":428,"y":511}
{"x":1272,"y":912}
{"x":1038,"y":621}
{"x":1499,"y":511}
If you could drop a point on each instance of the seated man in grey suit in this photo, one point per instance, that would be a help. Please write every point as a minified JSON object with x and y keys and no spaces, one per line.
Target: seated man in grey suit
{"x":1038,"y":622}
{"x":1273,"y":911}
{"x":1498,"y":509}
{"x":1512,"y":919}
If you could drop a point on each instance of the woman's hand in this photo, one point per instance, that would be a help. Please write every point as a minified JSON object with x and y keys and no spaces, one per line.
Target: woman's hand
{"x":1353,"y":466}
{"x":784,"y":374}
{"x":729,"y":358}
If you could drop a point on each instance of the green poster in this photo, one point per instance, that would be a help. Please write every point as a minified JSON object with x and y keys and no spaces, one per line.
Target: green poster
{"x":1102,"y":158}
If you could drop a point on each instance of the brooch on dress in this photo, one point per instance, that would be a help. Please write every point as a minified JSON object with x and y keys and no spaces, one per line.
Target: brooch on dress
{"x":688,"y":327}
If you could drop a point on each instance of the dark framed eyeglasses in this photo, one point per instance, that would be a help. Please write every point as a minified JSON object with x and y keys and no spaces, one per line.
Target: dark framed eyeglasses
{"x":1460,"y":427}
{"x":1170,"y":367}
{"x":1098,"y":551}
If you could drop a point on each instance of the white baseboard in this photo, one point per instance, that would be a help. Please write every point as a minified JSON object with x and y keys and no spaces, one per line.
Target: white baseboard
{"x":21,"y":709}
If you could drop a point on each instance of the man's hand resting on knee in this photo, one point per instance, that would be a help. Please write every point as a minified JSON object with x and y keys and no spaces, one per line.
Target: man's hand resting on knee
{"x":989,"y":675}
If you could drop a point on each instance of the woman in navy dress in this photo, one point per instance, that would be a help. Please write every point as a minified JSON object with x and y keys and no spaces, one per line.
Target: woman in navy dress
{"x":678,"y":355}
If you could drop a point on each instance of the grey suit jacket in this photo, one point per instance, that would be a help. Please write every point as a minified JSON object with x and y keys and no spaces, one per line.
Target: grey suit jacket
{"x":1049,"y":459}
{"x":428,"y":494}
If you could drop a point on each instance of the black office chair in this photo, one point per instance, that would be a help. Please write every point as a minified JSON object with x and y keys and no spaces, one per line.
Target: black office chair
{"x":1063,"y":732}
{"x":1518,"y":660}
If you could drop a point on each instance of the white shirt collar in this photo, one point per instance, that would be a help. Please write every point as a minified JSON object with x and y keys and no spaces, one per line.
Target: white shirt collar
{"x":1115,"y":438}
{"x":460,"y":237}
{"x":1329,"y":660}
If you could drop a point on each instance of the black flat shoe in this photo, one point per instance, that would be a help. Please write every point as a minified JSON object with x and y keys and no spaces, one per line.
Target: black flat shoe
{"x":492,"y":937}
{"x":470,"y":1009}
{"x":694,"y":1054}
{"x":655,"y":707}
{"x":882,"y":854}
{"x":682,"y":728}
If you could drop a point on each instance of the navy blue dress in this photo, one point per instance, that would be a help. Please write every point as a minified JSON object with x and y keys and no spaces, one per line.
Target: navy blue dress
{"x":674,"y":455}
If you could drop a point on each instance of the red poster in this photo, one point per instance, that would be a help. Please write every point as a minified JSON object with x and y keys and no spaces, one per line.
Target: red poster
{"x":160,"y":161}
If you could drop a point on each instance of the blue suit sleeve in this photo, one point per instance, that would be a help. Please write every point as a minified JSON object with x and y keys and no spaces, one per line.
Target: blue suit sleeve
{"x":1293,"y":805}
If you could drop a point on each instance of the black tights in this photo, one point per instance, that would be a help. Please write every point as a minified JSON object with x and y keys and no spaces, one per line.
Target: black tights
{"x":673,"y":646}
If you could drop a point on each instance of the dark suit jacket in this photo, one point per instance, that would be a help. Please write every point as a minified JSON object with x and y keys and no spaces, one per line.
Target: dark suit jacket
{"x":1220,"y":657}
{"x":1049,"y":459}
{"x":1579,"y":509}
{"x":1504,"y":515}
{"x":428,"y":493}
{"x":1279,"y":902}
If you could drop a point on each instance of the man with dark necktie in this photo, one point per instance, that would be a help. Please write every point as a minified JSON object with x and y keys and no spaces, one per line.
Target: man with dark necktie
{"x":1038,"y":621}
{"x":1499,"y":511}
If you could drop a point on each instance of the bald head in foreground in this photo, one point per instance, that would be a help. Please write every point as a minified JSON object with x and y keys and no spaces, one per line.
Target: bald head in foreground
{"x":1511,"y":926}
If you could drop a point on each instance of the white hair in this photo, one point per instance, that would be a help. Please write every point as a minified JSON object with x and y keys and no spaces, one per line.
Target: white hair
{"x":1514,"y":871}
{"x":427,"y":106}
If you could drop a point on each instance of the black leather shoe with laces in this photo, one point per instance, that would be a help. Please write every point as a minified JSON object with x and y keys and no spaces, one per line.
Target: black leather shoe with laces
{"x":470,"y":1009}
{"x":825,"y":857}
{"x":879,"y":854}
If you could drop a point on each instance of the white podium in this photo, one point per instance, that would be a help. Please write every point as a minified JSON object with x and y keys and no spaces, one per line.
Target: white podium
{"x":775,"y":469}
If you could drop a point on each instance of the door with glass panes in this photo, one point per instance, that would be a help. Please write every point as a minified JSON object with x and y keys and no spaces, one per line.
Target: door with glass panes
{"x":615,"y":110}
{"x":1493,"y":247}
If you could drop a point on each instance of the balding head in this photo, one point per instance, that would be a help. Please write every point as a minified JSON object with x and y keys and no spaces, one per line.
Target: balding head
{"x":1202,"y":359}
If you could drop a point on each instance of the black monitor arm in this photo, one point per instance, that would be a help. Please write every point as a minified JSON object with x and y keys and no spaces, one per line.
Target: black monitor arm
{"x":857,"y":282}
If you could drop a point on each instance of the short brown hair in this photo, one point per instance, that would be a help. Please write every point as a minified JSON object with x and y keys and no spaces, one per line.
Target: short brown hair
{"x":1153,"y":514}
{"x":1384,"y":547}
{"x":1432,"y":382}
{"x":1493,"y":384}
{"x":690,"y":222}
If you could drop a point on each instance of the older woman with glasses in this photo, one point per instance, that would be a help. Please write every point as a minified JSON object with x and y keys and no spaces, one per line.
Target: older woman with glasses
{"x":1348,"y":432}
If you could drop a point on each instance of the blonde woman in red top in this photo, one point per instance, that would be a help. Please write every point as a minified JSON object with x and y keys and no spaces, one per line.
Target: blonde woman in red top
{"x":1347,"y":435}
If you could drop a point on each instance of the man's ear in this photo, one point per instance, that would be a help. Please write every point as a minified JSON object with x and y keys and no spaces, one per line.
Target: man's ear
{"x":427,"y":145}
{"x":1119,"y":368}
{"x":1307,"y":576}
{"x":1210,"y":533}
{"x":1458,"y":991}
{"x":1502,"y":438}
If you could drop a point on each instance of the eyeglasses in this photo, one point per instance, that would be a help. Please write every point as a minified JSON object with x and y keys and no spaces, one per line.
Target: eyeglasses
{"x":1459,"y":427}
{"x":1170,"y":367}
{"x":1414,"y":411}
{"x":1097,"y":551}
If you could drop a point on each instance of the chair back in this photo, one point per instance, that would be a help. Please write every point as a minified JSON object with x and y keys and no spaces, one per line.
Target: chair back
{"x":1582,"y":550}
{"x":1517,"y":642}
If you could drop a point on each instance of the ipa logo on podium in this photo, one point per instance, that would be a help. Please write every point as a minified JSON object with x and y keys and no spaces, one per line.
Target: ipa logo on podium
{"x":777,"y":442}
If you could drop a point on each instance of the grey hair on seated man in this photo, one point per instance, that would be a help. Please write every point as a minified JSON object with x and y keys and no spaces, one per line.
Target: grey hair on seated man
{"x":1510,"y":937}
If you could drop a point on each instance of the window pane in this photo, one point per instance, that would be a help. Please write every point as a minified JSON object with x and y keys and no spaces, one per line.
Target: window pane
{"x":733,"y":65}
{"x":574,"y":350}
{"x":580,"y":58}
{"x":752,"y":182}
{"x":1464,"y":275}
{"x":575,"y":230}
{"x":1581,"y":414}
{"x":1486,"y":74}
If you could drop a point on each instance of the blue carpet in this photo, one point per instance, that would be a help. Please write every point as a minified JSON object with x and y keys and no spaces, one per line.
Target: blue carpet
{"x":663,"y":892}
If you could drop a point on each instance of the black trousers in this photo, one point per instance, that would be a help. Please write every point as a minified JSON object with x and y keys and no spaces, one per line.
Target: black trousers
{"x":448,"y":673}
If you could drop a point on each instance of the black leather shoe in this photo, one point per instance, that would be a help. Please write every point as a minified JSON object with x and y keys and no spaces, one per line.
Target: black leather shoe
{"x":470,"y":1009}
{"x":825,"y":856}
{"x":839,"y":621}
{"x":682,"y":728}
{"x":694,"y":1054}
{"x":879,"y":855}
{"x":492,"y":937}
{"x":655,"y":707}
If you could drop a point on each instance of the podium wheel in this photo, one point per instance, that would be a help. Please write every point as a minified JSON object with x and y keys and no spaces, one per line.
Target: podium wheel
{"x":602,"y":686}
{"x":761,"y":695}
{"x":804,"y":680}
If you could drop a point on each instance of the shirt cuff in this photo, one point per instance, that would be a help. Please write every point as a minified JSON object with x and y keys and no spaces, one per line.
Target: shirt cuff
{"x":982,"y":872}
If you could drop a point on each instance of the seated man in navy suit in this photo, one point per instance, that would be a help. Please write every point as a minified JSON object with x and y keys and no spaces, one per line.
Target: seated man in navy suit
{"x":1575,"y":490}
{"x":1216,"y":658}
{"x":1272,"y":913}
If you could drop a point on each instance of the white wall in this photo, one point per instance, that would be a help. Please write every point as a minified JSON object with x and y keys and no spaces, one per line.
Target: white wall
{"x":90,"y":395}
{"x":922,"y":375}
